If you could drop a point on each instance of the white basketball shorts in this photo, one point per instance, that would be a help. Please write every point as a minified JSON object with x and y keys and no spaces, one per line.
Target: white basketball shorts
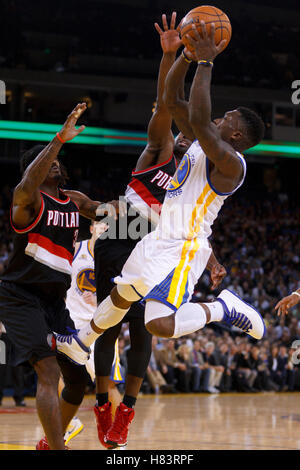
{"x":165,"y":270}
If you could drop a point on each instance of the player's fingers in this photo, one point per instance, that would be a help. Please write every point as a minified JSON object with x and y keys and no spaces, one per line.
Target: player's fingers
{"x":158,"y":29}
{"x":221,"y":45}
{"x":203,"y":29}
{"x":278,"y":305}
{"x":77,"y":111}
{"x":164,"y":22}
{"x":173,"y":20}
{"x":212,"y":31}
{"x":80,"y":129}
{"x":191,"y":40}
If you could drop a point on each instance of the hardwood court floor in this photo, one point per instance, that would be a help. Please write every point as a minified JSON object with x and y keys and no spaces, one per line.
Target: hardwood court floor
{"x":178,"y":422}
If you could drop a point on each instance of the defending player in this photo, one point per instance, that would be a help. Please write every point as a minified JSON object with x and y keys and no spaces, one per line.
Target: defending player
{"x":45,"y":221}
{"x":144,"y":195}
{"x":81,"y":302}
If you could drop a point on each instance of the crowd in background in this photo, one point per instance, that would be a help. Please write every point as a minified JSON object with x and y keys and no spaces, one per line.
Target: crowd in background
{"x":258,"y":242}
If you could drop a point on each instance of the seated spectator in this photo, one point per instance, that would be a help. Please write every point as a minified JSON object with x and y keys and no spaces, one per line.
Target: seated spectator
{"x":245,"y":375}
{"x":226,"y":380}
{"x":172,"y":369}
{"x":154,"y":376}
{"x":216,"y":369}
{"x":200,"y":369}
{"x":184,"y":374}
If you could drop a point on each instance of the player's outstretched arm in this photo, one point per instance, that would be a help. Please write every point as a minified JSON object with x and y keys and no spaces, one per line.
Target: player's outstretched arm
{"x":26,"y":198}
{"x":92,"y":209}
{"x":160,"y":138}
{"x":174,"y":98}
{"x":288,"y":302}
{"x":216,"y":149}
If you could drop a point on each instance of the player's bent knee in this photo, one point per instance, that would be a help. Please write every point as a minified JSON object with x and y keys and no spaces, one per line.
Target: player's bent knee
{"x":162,"y":327}
{"x":119,"y":300}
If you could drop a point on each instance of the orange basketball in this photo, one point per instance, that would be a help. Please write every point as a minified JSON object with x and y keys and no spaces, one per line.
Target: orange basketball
{"x":210,"y":15}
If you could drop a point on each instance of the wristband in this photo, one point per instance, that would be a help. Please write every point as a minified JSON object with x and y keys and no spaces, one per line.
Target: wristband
{"x":206,"y":63}
{"x":59,"y":138}
{"x":296,"y":293}
{"x":189,"y":61}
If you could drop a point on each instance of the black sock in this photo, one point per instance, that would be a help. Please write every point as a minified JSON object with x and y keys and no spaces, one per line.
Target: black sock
{"x":101,"y":398}
{"x":129,"y":401}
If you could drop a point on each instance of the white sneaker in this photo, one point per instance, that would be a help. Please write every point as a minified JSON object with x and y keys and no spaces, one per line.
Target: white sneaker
{"x":73,"y":348}
{"x":242,"y":315}
{"x":213,"y":390}
{"x":74,"y":428}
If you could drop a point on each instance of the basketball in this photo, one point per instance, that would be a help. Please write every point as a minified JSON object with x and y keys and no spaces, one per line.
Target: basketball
{"x":209,"y":15}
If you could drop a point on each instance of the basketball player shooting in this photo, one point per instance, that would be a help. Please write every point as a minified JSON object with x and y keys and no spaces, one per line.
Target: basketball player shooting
{"x":165,"y":266}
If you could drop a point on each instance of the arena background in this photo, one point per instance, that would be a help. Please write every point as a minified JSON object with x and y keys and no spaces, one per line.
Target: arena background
{"x":55,"y":54}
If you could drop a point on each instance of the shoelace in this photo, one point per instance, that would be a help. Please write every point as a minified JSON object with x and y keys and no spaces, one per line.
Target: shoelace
{"x":240,"y":320}
{"x":64,"y":338}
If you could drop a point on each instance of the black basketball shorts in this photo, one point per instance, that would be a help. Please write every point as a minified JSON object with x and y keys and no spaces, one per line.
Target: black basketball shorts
{"x":29,"y":322}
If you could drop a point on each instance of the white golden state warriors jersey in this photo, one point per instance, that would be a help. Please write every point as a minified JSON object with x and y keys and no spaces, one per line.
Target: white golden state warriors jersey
{"x":83,"y":279}
{"x":191,"y":203}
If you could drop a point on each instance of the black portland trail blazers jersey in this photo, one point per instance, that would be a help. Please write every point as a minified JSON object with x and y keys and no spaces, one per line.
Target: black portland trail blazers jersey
{"x":42,"y":255}
{"x":147,"y":188}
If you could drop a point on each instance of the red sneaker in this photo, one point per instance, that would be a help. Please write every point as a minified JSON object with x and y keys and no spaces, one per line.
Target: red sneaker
{"x":103,"y":421}
{"x":117,"y":434}
{"x":44,"y":445}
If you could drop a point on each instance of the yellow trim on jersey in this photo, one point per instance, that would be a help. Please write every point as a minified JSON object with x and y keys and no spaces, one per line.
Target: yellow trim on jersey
{"x":204,"y":209}
{"x":89,"y":249}
{"x":199,"y":202}
{"x":186,"y":273}
{"x":180,"y":276}
{"x":177,"y":272}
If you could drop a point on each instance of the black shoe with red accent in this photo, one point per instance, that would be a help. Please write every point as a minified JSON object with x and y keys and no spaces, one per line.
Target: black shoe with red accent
{"x":104,"y":421}
{"x":117,"y":434}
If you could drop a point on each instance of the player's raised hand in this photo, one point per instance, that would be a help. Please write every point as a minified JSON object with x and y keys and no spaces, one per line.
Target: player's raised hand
{"x":286,"y":303}
{"x":217,"y":274}
{"x":169,"y":36}
{"x":69,"y":131}
{"x":204,"y":44}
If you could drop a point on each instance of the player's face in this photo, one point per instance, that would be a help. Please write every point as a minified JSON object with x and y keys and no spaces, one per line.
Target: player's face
{"x":54,"y":173}
{"x":182,"y":143}
{"x":228,"y":125}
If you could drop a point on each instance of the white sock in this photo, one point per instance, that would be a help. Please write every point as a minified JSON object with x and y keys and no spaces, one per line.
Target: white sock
{"x":216,"y":311}
{"x":106,"y":316}
{"x":87,"y":335}
{"x":189,"y":317}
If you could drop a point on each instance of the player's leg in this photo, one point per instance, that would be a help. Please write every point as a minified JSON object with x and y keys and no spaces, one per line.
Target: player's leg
{"x":75,"y":381}
{"x":47,"y":401}
{"x":25,"y":322}
{"x":191,"y":317}
{"x":138,"y":360}
{"x":104,"y":358}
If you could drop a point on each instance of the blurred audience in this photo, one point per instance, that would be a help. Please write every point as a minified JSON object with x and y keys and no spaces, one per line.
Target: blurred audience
{"x":258,"y":242}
